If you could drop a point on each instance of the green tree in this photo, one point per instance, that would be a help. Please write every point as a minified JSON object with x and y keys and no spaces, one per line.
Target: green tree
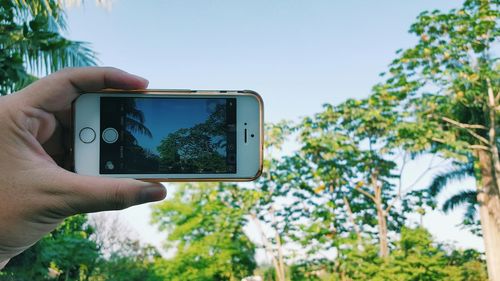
{"x":418,"y":257}
{"x":264,"y":213}
{"x":449,"y":86}
{"x":204,"y":223}
{"x":415,"y":256}
{"x":72,"y":252}
{"x":133,"y":262}
{"x":121,"y":258}
{"x":67,"y":253}
{"x":342,"y":179}
{"x":31,"y":43}
{"x":200,"y":148}
{"x":466,"y":197}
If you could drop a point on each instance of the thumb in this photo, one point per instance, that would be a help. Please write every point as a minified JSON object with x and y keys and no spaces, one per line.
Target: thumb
{"x":86,"y":194}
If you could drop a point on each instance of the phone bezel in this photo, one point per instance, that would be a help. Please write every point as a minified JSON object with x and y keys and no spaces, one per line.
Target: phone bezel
{"x":86,"y":113}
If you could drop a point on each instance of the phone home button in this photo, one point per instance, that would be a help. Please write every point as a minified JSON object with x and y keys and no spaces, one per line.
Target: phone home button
{"x":87,"y":135}
{"x":110,"y":135}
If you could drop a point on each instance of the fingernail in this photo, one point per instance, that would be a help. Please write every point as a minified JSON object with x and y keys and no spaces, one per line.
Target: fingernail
{"x":151,"y":193}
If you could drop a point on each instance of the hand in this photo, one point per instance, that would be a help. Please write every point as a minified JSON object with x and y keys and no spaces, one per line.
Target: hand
{"x":36,"y":193}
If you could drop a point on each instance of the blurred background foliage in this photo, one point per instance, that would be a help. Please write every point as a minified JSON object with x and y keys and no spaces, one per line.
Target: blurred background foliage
{"x":334,"y":208}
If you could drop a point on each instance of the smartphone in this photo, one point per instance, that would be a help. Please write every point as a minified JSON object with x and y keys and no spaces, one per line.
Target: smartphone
{"x":169,"y":135}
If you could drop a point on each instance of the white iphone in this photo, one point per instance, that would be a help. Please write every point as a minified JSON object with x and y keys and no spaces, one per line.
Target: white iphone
{"x":169,"y":135}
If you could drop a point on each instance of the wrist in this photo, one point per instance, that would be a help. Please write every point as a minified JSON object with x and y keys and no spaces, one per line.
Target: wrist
{"x":3,"y":263}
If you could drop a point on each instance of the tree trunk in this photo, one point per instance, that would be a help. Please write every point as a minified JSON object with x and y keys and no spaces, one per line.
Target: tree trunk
{"x":492,"y":134}
{"x":278,"y":266}
{"x":66,"y":276}
{"x":281,"y":261}
{"x":487,"y":193}
{"x":381,"y":217}
{"x":382,"y":232}
{"x":494,"y":203}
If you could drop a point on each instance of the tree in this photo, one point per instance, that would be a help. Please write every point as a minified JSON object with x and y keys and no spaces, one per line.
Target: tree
{"x":199,"y":149}
{"x":449,"y":86}
{"x":67,"y":253}
{"x":342,"y":177}
{"x":121,"y":256}
{"x":418,"y":257}
{"x":31,"y":43}
{"x":466,"y":197}
{"x":83,"y":250}
{"x":204,"y":223}
{"x":415,"y":256}
{"x":264,"y":212}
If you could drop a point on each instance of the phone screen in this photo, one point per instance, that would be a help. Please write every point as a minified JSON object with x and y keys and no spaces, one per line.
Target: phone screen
{"x":167,"y":135}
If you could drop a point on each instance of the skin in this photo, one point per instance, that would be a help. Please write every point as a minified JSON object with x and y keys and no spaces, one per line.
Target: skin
{"x":36,"y":190}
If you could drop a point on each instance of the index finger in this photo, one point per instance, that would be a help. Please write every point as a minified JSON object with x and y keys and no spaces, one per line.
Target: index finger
{"x":56,"y":91}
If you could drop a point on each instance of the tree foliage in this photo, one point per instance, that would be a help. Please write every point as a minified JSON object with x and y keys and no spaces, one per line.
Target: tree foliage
{"x":71,"y":252}
{"x":204,"y":223}
{"x":32,"y":43}
{"x":415,"y":257}
{"x":334,"y":208}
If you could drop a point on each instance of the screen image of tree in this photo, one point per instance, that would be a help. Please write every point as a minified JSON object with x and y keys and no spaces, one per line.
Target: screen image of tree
{"x":168,"y":135}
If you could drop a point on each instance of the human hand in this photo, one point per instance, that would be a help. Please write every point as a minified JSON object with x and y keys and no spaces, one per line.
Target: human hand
{"x":36,"y":193}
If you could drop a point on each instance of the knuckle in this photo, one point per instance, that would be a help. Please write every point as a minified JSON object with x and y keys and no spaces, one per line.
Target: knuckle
{"x":118,"y":199}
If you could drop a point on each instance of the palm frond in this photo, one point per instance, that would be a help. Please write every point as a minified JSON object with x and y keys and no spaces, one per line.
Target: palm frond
{"x":51,"y":9}
{"x":135,"y":113}
{"x":65,"y":54}
{"x":24,"y":82}
{"x":470,"y":212}
{"x":464,"y":197}
{"x":457,"y":173}
{"x":79,"y":54}
{"x":136,"y":127}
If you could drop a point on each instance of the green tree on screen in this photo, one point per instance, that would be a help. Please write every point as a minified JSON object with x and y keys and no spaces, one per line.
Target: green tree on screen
{"x":200,"y":148}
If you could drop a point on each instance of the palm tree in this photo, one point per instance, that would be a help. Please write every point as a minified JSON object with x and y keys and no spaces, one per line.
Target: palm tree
{"x":32,"y":44}
{"x":134,"y":121}
{"x":464,"y":198}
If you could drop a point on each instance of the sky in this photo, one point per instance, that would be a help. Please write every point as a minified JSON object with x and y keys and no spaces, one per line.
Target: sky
{"x":297,"y":54}
{"x":185,"y":113}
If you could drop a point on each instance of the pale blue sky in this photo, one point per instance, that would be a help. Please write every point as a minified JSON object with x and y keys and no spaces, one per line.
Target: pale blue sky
{"x":296,"y":54}
{"x":185,"y":113}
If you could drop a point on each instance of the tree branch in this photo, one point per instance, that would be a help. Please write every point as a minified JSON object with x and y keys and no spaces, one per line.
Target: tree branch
{"x":267,"y":246}
{"x":400,"y":179}
{"x":365,"y":193}
{"x":351,"y":218}
{"x":463,"y":125}
{"x":478,"y":146}
{"x":468,"y":128}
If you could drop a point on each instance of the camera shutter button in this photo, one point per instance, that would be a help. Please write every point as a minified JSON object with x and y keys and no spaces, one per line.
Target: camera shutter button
{"x":110,"y":135}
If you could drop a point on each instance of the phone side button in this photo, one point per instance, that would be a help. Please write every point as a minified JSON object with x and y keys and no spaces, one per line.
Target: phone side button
{"x":87,"y":135}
